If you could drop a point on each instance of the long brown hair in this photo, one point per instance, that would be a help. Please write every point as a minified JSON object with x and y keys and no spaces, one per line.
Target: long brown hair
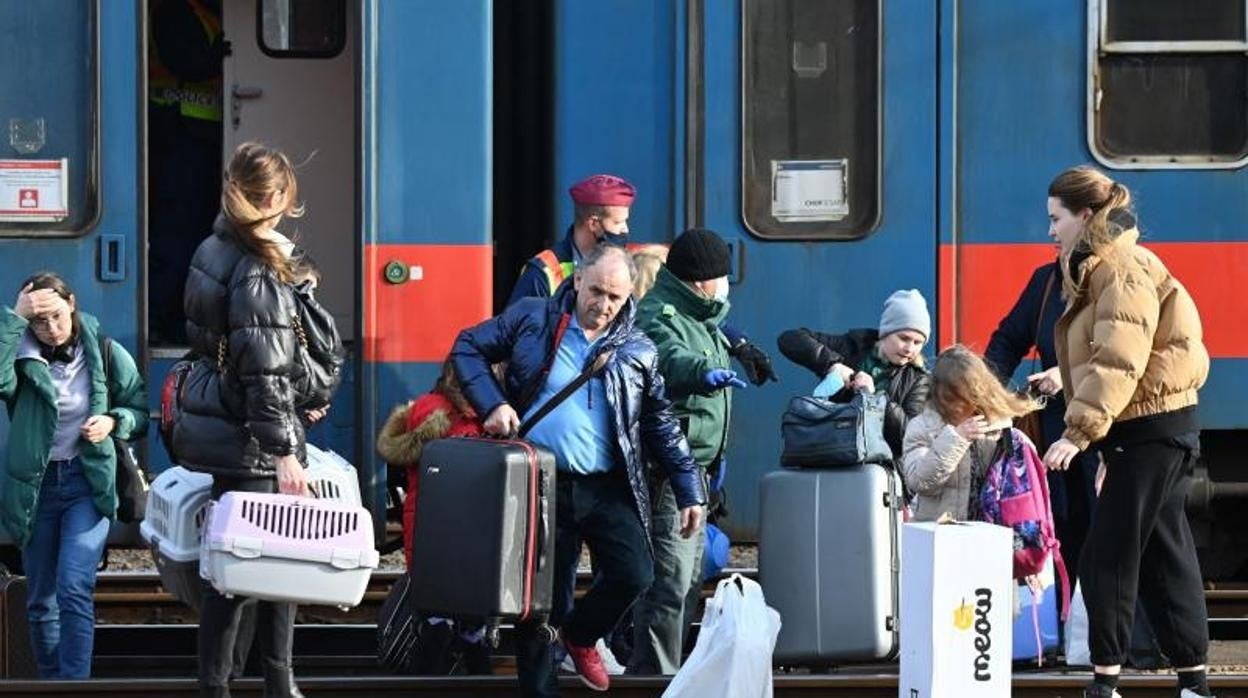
{"x":1088,"y":188}
{"x":961,"y":380}
{"x":255,"y":173}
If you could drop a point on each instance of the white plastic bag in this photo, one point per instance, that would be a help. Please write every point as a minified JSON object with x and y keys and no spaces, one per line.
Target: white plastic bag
{"x":1077,"y":652}
{"x":732,"y":658}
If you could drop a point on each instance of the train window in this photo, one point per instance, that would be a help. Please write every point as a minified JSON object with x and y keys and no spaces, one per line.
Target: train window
{"x":1167,"y":20}
{"x":302,"y":28}
{"x":811,"y":110}
{"x":49,"y":117}
{"x":1168,"y":83}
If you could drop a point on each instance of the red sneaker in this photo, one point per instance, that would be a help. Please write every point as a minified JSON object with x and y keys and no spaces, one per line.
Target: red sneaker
{"x":589,"y":666}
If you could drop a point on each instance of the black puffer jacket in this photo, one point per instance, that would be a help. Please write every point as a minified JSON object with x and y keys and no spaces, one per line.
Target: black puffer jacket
{"x":236,"y":420}
{"x":907,"y":387}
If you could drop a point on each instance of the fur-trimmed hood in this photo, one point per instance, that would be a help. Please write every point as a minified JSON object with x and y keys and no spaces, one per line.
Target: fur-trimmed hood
{"x":399,"y":445}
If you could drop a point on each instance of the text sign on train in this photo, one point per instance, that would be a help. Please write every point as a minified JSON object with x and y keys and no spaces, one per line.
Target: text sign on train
{"x":808,"y":190}
{"x":34,"y":190}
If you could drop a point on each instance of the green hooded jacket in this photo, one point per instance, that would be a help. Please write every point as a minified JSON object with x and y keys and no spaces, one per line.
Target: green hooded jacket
{"x":27,"y":390}
{"x":685,"y":327}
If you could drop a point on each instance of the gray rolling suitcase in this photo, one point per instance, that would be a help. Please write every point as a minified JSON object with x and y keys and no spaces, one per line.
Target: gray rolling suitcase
{"x":828,"y":557}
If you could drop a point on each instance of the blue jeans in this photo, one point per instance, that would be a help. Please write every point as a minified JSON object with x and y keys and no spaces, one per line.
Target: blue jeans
{"x":61,"y":561}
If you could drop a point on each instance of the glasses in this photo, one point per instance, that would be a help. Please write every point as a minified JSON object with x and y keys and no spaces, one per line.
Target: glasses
{"x":48,"y":321}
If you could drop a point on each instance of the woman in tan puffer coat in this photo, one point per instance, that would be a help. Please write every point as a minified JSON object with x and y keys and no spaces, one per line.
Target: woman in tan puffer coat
{"x":1130,"y":351}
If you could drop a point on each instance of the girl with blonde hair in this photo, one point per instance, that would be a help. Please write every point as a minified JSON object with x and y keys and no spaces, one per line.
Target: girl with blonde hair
{"x":949,"y":446}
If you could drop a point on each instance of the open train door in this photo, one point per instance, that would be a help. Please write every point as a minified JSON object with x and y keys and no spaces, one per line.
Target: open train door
{"x":290,"y":79}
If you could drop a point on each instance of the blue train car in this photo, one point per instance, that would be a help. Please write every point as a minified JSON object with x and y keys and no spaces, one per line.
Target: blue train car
{"x":845,"y":149}
{"x":929,"y":132}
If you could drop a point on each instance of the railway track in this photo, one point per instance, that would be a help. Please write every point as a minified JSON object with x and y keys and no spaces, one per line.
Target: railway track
{"x":856,"y":685}
{"x":137,"y":597}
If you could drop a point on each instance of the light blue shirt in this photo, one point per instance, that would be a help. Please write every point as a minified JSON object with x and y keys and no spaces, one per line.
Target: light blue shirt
{"x":579,"y":431}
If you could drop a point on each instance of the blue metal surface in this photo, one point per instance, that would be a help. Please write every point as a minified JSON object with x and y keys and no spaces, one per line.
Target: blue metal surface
{"x":615,"y":105}
{"x":426,"y":164}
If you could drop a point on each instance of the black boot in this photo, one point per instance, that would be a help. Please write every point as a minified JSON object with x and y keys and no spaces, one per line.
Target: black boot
{"x":279,"y":682}
{"x":213,"y":691}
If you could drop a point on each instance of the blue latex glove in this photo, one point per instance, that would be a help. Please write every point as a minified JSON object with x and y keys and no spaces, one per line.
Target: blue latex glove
{"x":720,"y":475}
{"x":717,"y":378}
{"x":829,"y":386}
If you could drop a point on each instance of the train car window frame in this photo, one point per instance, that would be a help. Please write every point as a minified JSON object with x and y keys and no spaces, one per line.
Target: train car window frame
{"x":330,"y":51}
{"x":844,"y":228}
{"x":1103,"y":49}
{"x":90,"y":164}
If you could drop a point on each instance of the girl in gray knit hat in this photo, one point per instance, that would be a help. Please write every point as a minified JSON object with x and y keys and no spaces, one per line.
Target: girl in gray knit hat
{"x":887,"y":359}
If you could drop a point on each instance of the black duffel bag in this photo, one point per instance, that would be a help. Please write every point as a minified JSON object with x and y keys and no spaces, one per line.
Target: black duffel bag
{"x":819,"y":433}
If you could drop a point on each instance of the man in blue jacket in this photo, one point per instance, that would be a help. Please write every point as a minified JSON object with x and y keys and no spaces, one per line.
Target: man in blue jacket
{"x":602,"y":436}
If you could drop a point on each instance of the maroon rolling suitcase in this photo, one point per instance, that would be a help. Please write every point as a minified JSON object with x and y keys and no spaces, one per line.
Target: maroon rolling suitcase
{"x":485,"y":530}
{"x":484,"y":543}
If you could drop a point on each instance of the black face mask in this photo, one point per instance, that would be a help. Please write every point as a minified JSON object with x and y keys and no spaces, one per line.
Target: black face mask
{"x":614,"y":239}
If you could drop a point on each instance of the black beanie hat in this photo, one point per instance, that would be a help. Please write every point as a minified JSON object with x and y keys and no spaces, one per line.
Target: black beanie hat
{"x":698,"y":254}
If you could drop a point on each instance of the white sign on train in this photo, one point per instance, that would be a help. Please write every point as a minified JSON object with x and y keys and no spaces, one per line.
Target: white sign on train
{"x":34,"y":190}
{"x":805,"y":191}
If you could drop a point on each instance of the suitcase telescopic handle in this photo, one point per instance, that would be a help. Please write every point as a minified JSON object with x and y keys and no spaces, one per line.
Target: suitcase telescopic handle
{"x":543,"y":519}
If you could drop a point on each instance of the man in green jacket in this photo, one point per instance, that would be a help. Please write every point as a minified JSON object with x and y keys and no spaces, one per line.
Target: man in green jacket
{"x":682,"y":316}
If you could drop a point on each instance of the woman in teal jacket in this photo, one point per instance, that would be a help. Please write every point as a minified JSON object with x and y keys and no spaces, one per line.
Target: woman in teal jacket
{"x":59,"y":492}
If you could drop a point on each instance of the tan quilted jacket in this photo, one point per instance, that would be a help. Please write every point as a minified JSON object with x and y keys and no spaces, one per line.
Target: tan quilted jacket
{"x":1129,"y":344}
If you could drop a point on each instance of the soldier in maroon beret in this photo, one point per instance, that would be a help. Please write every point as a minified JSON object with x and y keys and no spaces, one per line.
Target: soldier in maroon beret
{"x":600,"y":214}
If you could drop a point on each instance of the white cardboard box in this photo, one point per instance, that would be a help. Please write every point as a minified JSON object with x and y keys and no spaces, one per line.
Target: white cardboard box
{"x":956,"y":610}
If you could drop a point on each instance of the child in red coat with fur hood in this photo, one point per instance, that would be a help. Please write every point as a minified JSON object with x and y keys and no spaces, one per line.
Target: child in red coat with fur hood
{"x":438,"y":414}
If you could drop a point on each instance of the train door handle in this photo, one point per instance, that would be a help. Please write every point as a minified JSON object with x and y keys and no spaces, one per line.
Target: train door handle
{"x":239,"y":93}
{"x":112,"y":265}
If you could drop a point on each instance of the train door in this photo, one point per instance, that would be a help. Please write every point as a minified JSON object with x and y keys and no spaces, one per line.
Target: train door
{"x":289,"y":80}
{"x":813,"y":151}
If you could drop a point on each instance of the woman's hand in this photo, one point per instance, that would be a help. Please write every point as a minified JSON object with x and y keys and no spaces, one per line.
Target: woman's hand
{"x":98,"y":427}
{"x":1060,"y":454}
{"x":314,"y":416}
{"x":32,"y":304}
{"x":290,"y":476}
{"x":1047,"y":382}
{"x":846,"y":373}
{"x":863,"y":382}
{"x":972,"y":428}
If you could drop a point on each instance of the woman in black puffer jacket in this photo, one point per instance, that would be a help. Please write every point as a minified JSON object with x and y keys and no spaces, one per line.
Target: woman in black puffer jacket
{"x":243,"y":411}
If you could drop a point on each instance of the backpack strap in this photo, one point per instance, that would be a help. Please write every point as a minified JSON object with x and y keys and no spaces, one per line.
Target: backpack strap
{"x":106,"y":358}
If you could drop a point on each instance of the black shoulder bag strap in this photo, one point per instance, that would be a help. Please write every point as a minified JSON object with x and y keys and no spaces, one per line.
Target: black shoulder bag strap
{"x":599,"y":363}
{"x":1044,"y":304}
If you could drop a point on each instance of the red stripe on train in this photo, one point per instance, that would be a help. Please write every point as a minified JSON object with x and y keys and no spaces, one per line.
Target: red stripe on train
{"x":449,"y":287}
{"x":988,"y":279}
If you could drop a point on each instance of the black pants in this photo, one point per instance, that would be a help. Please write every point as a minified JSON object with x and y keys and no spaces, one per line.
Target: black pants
{"x":1140,"y":541}
{"x":599,"y":510}
{"x":220,"y":619}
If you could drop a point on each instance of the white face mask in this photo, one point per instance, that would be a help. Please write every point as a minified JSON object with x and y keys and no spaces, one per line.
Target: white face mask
{"x":721,"y":289}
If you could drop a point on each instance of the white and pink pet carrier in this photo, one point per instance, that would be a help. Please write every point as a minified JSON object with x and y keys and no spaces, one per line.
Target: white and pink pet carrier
{"x":280,"y":547}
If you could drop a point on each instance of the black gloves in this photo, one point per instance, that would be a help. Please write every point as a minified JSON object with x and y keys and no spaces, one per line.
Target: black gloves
{"x":755,"y":361}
